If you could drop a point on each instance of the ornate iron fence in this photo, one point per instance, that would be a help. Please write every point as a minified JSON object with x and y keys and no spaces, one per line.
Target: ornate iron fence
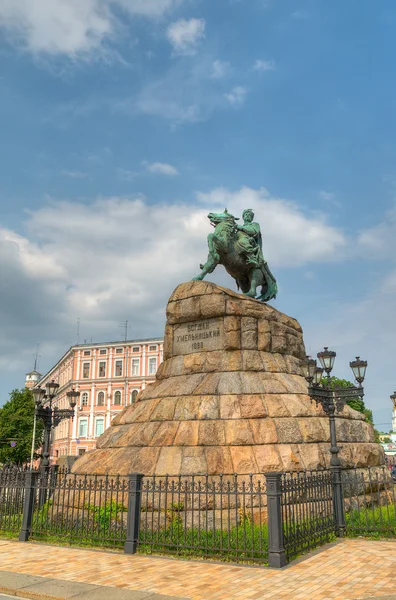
{"x":370,"y":503}
{"x":265,"y":519}
{"x":84,"y":510}
{"x":307,"y":511}
{"x":12,"y":495}
{"x":208,"y":516}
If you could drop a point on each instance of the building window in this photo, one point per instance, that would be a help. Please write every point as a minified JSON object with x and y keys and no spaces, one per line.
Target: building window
{"x":87,"y":352}
{"x":86,"y":371}
{"x":135,"y":366}
{"x":152,"y":366}
{"x":136,"y":349}
{"x":152,"y":348}
{"x":83,"y":428}
{"x":101,"y":399}
{"x":102,"y":369}
{"x":99,"y":427}
{"x":118,"y":368}
{"x":84,"y":399}
{"x":103,"y":351}
{"x":81,"y":451}
{"x":117,"y":398}
{"x":134,"y":395}
{"x":119,"y":350}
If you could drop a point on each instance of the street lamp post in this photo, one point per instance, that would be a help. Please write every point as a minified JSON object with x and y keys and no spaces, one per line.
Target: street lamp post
{"x":51,"y":415}
{"x":333,"y":398}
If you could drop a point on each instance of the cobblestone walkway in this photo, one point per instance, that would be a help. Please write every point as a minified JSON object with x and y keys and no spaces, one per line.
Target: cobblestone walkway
{"x":350,"y":570}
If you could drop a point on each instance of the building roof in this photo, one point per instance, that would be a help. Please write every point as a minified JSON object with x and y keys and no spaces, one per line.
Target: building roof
{"x":118,"y":342}
{"x":34,"y":372}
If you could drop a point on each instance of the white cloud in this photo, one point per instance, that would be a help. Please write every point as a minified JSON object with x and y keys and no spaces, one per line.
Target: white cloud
{"x":264,"y":65}
{"x":236,"y":97}
{"x":220,"y":69}
{"x":69,"y":27}
{"x":185,"y":35}
{"x":73,"y":28}
{"x":162,"y":169}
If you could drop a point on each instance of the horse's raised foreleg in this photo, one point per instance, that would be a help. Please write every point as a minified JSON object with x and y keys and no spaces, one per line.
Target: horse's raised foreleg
{"x":212,"y":260}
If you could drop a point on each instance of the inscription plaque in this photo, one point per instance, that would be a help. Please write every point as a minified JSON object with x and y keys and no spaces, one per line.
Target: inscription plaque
{"x":198,"y":336}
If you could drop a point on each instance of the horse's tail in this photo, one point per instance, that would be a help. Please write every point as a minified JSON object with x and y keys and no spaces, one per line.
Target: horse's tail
{"x":270,"y":287}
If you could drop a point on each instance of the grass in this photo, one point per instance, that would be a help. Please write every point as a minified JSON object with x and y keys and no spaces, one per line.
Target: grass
{"x":374,"y":523}
{"x":243,"y":542}
{"x":94,"y":526}
{"x":11,"y":526}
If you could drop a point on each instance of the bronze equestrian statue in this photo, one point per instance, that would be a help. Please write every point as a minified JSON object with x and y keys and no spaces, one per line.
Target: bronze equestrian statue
{"x":239,"y":249}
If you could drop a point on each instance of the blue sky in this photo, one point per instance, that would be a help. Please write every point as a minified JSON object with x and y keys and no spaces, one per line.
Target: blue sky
{"x":123,"y":122}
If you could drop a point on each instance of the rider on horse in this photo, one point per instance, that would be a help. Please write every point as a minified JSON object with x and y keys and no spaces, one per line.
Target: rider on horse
{"x":249,"y":240}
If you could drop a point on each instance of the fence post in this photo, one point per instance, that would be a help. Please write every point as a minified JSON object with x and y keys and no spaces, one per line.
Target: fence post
{"x":276,"y":550}
{"x":133,"y":518}
{"x":28,"y":504}
{"x":338,"y":501}
{"x":43,"y":485}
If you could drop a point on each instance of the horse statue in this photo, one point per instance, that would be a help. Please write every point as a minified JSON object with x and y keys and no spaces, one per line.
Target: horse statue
{"x":239,"y":249}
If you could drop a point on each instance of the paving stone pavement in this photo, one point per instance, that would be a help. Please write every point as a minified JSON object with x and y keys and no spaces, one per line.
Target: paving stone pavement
{"x":348,"y":570}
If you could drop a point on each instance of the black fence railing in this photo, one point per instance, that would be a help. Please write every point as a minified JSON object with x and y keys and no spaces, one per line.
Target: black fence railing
{"x":208,"y":516}
{"x":263,"y":519}
{"x":12,"y":495}
{"x":87,"y":510}
{"x":370,"y":503}
{"x":307,"y":511}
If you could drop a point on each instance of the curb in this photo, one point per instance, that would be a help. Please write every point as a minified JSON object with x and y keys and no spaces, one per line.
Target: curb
{"x":45,"y":588}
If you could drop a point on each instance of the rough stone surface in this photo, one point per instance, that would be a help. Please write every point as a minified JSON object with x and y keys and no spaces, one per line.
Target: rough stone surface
{"x":228,"y":398}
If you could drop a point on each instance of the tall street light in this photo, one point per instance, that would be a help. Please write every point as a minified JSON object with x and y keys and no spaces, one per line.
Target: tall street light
{"x":50,"y":414}
{"x":333,"y":398}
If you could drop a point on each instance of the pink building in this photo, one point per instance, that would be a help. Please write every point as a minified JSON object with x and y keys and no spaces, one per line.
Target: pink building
{"x":108,"y":376}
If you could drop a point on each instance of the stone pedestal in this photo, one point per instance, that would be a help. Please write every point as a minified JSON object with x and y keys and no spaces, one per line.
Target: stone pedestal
{"x":228,"y":398}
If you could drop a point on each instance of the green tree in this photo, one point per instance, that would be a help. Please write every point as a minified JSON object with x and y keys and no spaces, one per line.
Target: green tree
{"x":16,"y":422}
{"x":355,"y":403}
